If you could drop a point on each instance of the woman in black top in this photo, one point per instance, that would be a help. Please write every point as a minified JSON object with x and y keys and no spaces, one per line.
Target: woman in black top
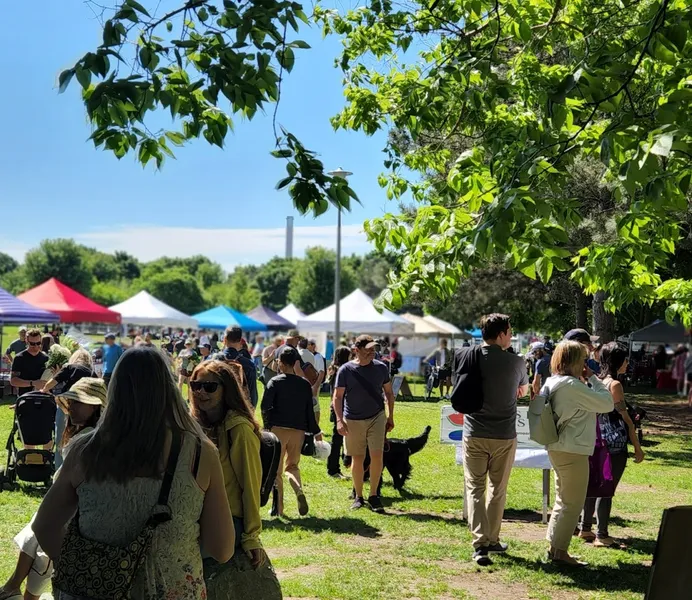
{"x":341,"y":356}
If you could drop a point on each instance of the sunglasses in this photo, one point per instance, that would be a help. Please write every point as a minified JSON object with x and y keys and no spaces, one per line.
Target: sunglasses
{"x":34,"y":343}
{"x":208,"y":386}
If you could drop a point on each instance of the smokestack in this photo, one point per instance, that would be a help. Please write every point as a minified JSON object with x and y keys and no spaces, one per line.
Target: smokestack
{"x":289,"y":237}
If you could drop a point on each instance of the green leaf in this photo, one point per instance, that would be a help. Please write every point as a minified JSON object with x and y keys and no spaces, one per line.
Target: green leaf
{"x":64,"y":80}
{"x":137,"y":6}
{"x":678,"y":35}
{"x":169,"y":26}
{"x":300,"y":44}
{"x":663,"y":145}
{"x":525,"y":31}
{"x":202,"y":14}
{"x":176,"y":137}
{"x":284,"y":182}
{"x":286,"y":58}
{"x":83,"y":77}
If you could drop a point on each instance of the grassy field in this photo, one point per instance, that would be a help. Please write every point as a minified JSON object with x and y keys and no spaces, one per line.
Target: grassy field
{"x":421,"y":547}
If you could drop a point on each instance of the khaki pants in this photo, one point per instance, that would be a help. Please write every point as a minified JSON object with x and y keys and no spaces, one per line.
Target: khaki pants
{"x":571,"y":483}
{"x":291,"y":445}
{"x":487,"y":460}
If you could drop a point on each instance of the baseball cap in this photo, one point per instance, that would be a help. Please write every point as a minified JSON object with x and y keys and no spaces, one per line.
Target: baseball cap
{"x":188,"y":342}
{"x":312,"y":342}
{"x":109,"y":336}
{"x":88,"y":390}
{"x":206,"y":345}
{"x":580,"y":335}
{"x":22,"y":329}
{"x":365,"y":341}
{"x":293,"y":333}
{"x":537,"y":346}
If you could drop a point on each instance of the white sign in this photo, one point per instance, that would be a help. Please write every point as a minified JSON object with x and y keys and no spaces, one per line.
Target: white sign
{"x":397,"y":382}
{"x":452,"y":427}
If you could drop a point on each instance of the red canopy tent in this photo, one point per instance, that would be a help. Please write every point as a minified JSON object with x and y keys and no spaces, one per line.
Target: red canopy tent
{"x":72,"y":307}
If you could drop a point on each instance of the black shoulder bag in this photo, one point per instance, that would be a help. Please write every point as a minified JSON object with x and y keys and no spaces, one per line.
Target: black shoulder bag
{"x":96,"y":571}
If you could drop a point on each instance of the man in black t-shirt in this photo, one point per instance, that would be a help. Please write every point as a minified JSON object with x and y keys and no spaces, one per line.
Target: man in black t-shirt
{"x":28,"y":365}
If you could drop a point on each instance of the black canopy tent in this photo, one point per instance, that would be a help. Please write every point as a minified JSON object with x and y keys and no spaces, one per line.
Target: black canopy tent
{"x":659,"y":333}
{"x":273,"y":320}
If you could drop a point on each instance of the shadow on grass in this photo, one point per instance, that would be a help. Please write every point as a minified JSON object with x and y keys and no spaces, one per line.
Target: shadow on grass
{"x":621,"y":522}
{"x":523,"y":515}
{"x":343,"y":525}
{"x":639,"y":545}
{"x":649,"y":443}
{"x":622,"y":577}
{"x":681,"y":458}
{"x":421,"y":517}
{"x":408,"y":495}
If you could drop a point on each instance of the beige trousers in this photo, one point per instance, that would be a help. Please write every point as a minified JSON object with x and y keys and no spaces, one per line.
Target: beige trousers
{"x":291,"y":445}
{"x":487,"y":464}
{"x":571,"y":482}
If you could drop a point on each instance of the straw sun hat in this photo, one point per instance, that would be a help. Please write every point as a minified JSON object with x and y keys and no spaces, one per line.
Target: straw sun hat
{"x":88,"y":390}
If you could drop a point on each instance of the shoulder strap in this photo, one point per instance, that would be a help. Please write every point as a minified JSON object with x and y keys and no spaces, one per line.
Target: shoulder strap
{"x":170,"y":469}
{"x":368,"y":387}
{"x":198,"y":454}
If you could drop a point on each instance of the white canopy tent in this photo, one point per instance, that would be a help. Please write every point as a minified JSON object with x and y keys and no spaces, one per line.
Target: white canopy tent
{"x":424,"y":327}
{"x":146,"y":311}
{"x":358,"y":315}
{"x":447,"y":327}
{"x":292,"y":313}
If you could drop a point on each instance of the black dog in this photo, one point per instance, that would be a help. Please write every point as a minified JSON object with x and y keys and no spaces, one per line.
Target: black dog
{"x":397,"y":458}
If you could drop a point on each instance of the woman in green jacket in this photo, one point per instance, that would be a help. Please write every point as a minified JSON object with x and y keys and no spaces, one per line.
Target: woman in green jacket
{"x":577,"y":396}
{"x":219,"y":402}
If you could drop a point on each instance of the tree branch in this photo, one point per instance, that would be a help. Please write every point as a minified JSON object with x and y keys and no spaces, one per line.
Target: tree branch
{"x":188,"y":5}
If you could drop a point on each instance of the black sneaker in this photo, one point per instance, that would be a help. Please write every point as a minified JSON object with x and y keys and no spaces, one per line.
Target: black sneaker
{"x":302,"y":505}
{"x":358,"y":503}
{"x":376,"y":504}
{"x":498,"y":548}
{"x":481,"y":557}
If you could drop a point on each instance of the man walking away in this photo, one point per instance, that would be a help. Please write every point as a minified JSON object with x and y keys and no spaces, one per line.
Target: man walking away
{"x":268,"y":360}
{"x":18,"y":345}
{"x":234,"y":351}
{"x":442,"y":358}
{"x":28,"y":366}
{"x":111,"y":355}
{"x":287,"y":412}
{"x":490,"y":437}
{"x":359,"y":393}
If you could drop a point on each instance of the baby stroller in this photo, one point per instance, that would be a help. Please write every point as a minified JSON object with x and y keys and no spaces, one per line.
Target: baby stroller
{"x":33,"y":427}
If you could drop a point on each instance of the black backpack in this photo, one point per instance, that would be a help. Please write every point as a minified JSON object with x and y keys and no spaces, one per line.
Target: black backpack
{"x":270,"y":454}
{"x":467,"y":381}
{"x":398,"y":361}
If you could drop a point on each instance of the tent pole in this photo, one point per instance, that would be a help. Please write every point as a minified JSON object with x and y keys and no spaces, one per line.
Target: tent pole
{"x":337,"y":282}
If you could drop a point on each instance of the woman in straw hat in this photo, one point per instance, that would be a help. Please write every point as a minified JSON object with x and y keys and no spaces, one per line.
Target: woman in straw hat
{"x":82,"y":404}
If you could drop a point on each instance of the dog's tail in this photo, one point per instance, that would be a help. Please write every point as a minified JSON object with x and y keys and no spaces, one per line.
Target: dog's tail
{"x":416,"y":444}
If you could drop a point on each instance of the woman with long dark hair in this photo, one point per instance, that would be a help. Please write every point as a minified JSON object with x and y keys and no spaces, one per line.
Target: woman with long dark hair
{"x":115,"y":474}
{"x":616,"y":429}
{"x":341,"y":356}
{"x":220,"y":403}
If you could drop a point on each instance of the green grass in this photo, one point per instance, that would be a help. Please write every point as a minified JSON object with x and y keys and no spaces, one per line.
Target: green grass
{"x":421,"y":547}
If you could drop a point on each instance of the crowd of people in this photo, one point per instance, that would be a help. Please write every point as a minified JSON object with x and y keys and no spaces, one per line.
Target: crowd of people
{"x":181,"y":475}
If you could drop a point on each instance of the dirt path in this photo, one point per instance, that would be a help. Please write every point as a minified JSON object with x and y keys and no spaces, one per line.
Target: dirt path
{"x":665,"y":416}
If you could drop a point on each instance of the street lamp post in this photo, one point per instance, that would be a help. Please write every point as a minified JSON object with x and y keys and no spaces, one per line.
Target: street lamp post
{"x":337,"y":269}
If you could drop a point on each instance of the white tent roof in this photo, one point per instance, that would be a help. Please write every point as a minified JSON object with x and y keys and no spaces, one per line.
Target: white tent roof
{"x":358,"y":315}
{"x":145,"y":310}
{"x":291,"y":313}
{"x":444,"y":325}
{"x":425,"y":327}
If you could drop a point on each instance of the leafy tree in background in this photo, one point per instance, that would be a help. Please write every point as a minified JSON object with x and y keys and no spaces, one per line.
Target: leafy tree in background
{"x":242,"y":292}
{"x":525,"y":88}
{"x":7,"y":263}
{"x":128,"y":265}
{"x":209,"y":273}
{"x":104,"y":267}
{"x":59,"y":258}
{"x":15,"y":282}
{"x":109,"y":293}
{"x":274,"y":279}
{"x":312,"y":286}
{"x":204,"y":61}
{"x":176,"y":287}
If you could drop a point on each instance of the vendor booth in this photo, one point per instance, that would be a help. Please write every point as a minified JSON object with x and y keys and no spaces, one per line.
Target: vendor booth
{"x":222,"y":317}
{"x":273,"y":320}
{"x":144,"y":310}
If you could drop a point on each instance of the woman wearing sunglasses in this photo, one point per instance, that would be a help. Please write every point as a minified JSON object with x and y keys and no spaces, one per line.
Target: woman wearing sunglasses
{"x":220,"y":404}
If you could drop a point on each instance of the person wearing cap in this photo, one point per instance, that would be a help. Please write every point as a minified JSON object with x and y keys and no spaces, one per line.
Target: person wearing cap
{"x":287,"y":411}
{"x":18,"y":345}
{"x":541,"y":370}
{"x":111,"y":355}
{"x":235,"y":350}
{"x":205,"y":351}
{"x":584,"y":337}
{"x":188,"y":360}
{"x":82,"y":404}
{"x":359,"y":394}
{"x":292,"y":339}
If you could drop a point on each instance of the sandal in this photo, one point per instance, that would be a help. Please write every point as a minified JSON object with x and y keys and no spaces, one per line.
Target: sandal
{"x":587,"y":536}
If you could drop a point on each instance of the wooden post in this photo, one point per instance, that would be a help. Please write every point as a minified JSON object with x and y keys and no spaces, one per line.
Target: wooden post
{"x":546,"y":494}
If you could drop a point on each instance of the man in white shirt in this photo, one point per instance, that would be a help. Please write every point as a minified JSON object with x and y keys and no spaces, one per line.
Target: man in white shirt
{"x":308,"y":357}
{"x":320,"y":362}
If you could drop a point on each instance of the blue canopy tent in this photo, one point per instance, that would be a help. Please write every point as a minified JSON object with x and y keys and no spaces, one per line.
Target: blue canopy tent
{"x":476,"y":333}
{"x":16,"y":311}
{"x":222,"y":317}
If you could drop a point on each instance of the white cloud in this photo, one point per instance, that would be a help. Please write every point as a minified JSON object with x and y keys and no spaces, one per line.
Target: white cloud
{"x":228,"y":247}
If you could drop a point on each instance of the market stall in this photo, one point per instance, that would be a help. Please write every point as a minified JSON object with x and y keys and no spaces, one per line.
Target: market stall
{"x":144,"y":310}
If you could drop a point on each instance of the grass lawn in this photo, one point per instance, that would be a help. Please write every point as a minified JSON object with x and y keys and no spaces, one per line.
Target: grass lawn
{"x":421,"y":547}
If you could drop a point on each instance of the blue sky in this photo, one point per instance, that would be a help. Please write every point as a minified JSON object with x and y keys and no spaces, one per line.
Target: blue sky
{"x":222,"y":203}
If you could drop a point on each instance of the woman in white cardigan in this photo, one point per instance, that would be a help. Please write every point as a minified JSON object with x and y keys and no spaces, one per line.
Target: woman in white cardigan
{"x":577,"y":396}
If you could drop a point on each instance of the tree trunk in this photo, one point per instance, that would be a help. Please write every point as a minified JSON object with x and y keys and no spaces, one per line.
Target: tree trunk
{"x":581,"y":306}
{"x":603,"y":321}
